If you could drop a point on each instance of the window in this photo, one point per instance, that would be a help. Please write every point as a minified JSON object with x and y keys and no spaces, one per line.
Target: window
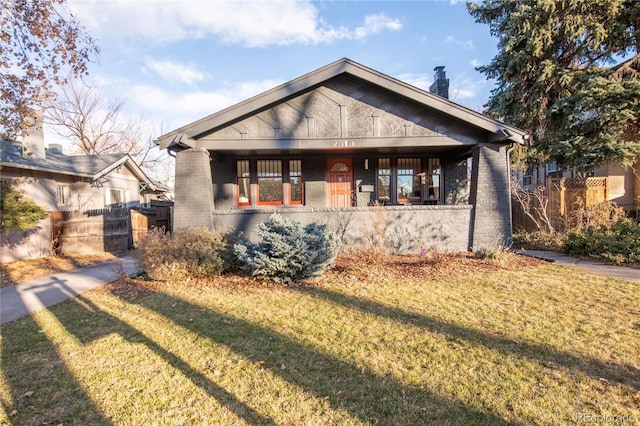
{"x":295,"y":181}
{"x":384,"y":179}
{"x":404,"y":180}
{"x":433,"y":180}
{"x":409,"y":180}
{"x":115,"y":197}
{"x":269,"y":181}
{"x":62,"y":195}
{"x":243,"y":180}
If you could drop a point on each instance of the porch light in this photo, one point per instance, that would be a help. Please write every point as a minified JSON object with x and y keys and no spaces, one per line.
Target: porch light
{"x":366,"y":164}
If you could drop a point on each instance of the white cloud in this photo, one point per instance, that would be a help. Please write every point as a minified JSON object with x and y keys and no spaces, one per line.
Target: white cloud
{"x":175,"y":71}
{"x":374,"y":24}
{"x":246,"y":23}
{"x":475,"y":63}
{"x":422,"y":81}
{"x":466,"y":45}
{"x":462,"y":88}
{"x":185,"y":107}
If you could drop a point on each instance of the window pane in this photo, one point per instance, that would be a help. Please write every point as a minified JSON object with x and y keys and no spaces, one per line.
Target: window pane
{"x":62,"y":195}
{"x":433,"y":181}
{"x":409,"y":182}
{"x":269,"y":181}
{"x":243,"y":182}
{"x":295,"y":181}
{"x":384,"y":179}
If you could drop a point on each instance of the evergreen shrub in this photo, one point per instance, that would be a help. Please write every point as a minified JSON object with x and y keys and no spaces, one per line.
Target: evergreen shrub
{"x":616,"y":243}
{"x":288,"y":252}
{"x":191,"y":252}
{"x":16,"y":212}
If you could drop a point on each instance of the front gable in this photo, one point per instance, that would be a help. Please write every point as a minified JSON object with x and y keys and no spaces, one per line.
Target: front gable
{"x":341,"y":107}
{"x":341,"y":100}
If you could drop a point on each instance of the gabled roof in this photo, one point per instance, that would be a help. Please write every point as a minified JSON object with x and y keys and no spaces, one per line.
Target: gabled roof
{"x":92,"y":167}
{"x":498,"y":130}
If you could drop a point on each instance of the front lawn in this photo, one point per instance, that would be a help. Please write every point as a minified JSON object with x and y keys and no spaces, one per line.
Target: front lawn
{"x":442,"y":340}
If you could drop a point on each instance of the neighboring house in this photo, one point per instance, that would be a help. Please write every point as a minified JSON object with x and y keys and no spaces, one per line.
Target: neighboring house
{"x":354,"y":148}
{"x":56,"y":181}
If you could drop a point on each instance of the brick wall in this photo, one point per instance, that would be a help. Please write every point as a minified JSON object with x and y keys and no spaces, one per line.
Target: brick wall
{"x":405,"y":228}
{"x":490,"y":195}
{"x":456,"y":184}
{"x":194,"y":190}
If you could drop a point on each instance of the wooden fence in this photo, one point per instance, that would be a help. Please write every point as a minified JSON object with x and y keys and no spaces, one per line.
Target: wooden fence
{"x":562,"y":196}
{"x":107,"y":230}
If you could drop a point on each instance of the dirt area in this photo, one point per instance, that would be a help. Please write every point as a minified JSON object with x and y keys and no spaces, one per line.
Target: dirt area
{"x":25,"y":270}
{"x":350,"y":268}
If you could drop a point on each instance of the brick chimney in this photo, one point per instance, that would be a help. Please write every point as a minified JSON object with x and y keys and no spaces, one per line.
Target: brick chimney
{"x":33,"y":140}
{"x":440,"y":84}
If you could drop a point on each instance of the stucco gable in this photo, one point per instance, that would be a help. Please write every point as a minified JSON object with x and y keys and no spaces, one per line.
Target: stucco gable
{"x":310,"y":105}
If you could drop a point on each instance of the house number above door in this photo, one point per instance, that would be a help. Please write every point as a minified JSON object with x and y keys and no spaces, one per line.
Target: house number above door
{"x":343,"y":144}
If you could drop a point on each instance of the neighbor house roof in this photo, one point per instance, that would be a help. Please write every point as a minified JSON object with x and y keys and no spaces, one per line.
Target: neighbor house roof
{"x":92,"y":167}
{"x":498,"y":131}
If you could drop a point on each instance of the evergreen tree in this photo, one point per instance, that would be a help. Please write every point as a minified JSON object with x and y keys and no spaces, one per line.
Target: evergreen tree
{"x":558,"y":78}
{"x":16,"y":212}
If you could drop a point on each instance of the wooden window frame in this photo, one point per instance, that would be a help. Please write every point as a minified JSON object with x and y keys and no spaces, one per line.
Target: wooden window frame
{"x":300,"y":175}
{"x":388,"y":175}
{"x":258,"y":177}
{"x":417,"y":174}
{"x":250,"y":194}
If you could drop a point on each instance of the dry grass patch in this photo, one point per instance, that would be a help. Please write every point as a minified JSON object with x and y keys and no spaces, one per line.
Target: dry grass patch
{"x":453,"y":340}
{"x":25,"y":270}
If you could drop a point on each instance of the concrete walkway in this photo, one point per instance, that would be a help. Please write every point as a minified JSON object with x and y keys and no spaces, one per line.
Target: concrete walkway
{"x":20,"y":300}
{"x":621,"y":272}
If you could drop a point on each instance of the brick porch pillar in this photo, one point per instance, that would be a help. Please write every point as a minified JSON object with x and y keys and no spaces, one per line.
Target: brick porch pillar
{"x":490,"y":197}
{"x":194,"y":203}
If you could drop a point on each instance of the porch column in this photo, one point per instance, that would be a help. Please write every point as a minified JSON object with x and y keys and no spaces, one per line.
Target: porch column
{"x":490,"y":197}
{"x":194,"y":189}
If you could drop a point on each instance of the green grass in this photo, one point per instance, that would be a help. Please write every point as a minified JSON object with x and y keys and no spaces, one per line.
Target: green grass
{"x":531,"y":346}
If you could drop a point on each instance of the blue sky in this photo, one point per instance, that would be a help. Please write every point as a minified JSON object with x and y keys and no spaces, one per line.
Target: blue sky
{"x":178,"y":61}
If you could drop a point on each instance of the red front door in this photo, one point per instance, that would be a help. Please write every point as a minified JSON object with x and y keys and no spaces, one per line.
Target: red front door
{"x":340,"y":172}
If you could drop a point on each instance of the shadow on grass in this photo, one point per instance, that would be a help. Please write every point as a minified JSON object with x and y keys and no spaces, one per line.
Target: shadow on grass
{"x":619,"y":373}
{"x":99,"y":323}
{"x":366,"y":396}
{"x":42,"y":389}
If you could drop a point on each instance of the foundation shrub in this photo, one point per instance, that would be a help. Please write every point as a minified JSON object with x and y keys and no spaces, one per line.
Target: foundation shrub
{"x":191,"y":252}
{"x":539,"y":240}
{"x":617,"y":243}
{"x":288,"y":252}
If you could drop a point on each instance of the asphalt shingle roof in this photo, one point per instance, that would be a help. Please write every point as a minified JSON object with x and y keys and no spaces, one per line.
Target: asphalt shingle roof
{"x":55,"y":161}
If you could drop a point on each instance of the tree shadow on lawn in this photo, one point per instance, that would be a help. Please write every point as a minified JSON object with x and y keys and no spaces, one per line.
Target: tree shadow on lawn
{"x":364,"y":395}
{"x":98,"y":323}
{"x":623,"y":374}
{"x":50,"y":394}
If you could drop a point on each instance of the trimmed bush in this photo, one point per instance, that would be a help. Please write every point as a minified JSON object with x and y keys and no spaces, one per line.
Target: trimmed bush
{"x":616,"y":243}
{"x":288,"y":252}
{"x":192,"y":252}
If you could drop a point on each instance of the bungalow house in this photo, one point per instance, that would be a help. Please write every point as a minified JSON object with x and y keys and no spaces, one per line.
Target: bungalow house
{"x":373,"y":156}
{"x":56,"y":181}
